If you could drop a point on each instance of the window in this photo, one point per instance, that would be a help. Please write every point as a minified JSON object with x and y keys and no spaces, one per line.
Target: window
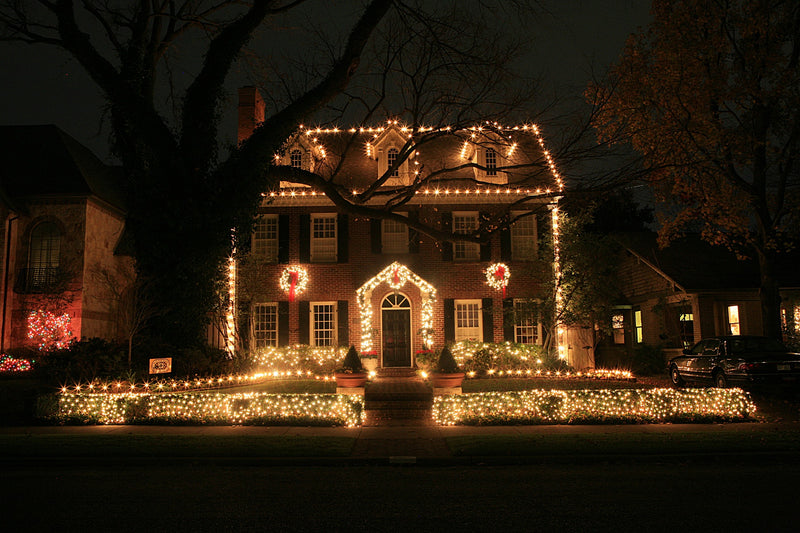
{"x":637,"y":326}
{"x":526,"y":327}
{"x":391,"y":159}
{"x":323,"y":324}
{"x":296,"y":159}
{"x":733,"y":320}
{"x":394,"y":238}
{"x":265,"y":238}
{"x":265,"y":325}
{"x":44,"y":256}
{"x":523,"y":238}
{"x":323,"y":238}
{"x":686,"y":323}
{"x":491,"y":162}
{"x":618,"y":328}
{"x":465,"y":223}
{"x":469,"y":325}
{"x":796,"y":316}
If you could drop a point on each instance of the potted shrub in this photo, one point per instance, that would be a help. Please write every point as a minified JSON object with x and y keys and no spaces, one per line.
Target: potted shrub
{"x":447,"y":373}
{"x":351,"y":373}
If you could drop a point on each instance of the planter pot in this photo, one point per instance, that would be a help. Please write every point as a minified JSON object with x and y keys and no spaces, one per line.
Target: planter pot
{"x":345,"y":380}
{"x":369,"y":363}
{"x":444,"y":381}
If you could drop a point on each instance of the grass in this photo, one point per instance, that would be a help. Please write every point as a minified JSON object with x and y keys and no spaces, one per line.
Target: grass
{"x":519,"y":384}
{"x":631,"y":444}
{"x":286,"y":386}
{"x":132,"y":445}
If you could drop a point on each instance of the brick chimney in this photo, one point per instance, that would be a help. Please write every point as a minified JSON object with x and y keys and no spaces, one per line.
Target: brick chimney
{"x":251,"y":111}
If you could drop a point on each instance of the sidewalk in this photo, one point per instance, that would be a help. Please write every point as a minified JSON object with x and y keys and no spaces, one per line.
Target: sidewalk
{"x":432,"y":444}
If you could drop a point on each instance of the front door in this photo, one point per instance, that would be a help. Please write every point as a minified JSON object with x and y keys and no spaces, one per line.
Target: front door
{"x":396,"y":320}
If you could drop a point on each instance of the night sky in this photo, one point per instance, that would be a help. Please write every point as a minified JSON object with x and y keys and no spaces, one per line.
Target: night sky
{"x":43,"y":85}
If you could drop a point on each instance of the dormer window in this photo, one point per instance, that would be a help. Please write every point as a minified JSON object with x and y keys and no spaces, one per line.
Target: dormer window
{"x":491,"y":162}
{"x":296,"y":159}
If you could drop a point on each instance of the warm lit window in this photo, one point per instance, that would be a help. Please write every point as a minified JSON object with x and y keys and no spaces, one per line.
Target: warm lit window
{"x":468,"y":322}
{"x":391,"y":159}
{"x":265,"y":325}
{"x":465,"y":223}
{"x":523,"y":238}
{"x":323,"y":324}
{"x":265,"y":238}
{"x":44,"y":255}
{"x":323,"y":238}
{"x":526,"y":325}
{"x":733,"y":320}
{"x":637,"y":326}
{"x":618,"y":328}
{"x":797,"y":318}
{"x":491,"y":162}
{"x":394,"y":237}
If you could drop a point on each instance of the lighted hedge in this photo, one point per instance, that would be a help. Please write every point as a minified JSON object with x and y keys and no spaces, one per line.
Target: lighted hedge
{"x":594,"y":406}
{"x":212,"y":408}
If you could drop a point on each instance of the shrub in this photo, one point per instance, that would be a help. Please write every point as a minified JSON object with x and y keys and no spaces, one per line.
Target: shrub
{"x":447,"y":363}
{"x":649,"y":360}
{"x":83,"y":360}
{"x":352,"y":362}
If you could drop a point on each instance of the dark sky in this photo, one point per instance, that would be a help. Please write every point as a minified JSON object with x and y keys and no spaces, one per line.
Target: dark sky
{"x":42,"y":85}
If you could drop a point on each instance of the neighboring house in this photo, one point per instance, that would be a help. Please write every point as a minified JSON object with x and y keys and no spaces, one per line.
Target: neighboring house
{"x":63,"y":218}
{"x":690,"y":290}
{"x":320,"y":276}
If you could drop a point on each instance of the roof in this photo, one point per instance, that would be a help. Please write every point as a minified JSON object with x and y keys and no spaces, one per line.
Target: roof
{"x":448,"y":156}
{"x":696,"y":265}
{"x":45,"y":161}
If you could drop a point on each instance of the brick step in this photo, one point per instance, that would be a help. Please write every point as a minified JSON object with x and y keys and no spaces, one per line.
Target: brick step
{"x":398,"y":413}
{"x":378,"y":405}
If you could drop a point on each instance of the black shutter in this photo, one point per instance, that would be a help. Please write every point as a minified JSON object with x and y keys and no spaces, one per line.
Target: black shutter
{"x":508,"y":320}
{"x":449,"y":320}
{"x":302,"y":322}
{"x":343,"y":323}
{"x":375,"y":235}
{"x":283,"y":323}
{"x":488,"y":320}
{"x":505,"y":244}
{"x":342,"y":252}
{"x":243,"y":324}
{"x":447,"y":247}
{"x":283,"y":238}
{"x":486,"y":246}
{"x":305,"y":238}
{"x":413,"y":235}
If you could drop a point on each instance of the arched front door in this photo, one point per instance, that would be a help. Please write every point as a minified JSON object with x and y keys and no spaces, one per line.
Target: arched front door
{"x":396,"y":329}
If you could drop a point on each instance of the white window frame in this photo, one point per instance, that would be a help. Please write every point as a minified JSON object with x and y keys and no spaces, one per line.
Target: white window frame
{"x":264,"y":243}
{"x":323,"y":249}
{"x":316,"y":334}
{"x":298,"y":160}
{"x":526,"y":327}
{"x":468,"y":320}
{"x":618,"y":328}
{"x":391,"y":157}
{"x":264,"y":333}
{"x":490,"y":156}
{"x":463,"y":250}
{"x":394,"y":236}
{"x":524,"y":245}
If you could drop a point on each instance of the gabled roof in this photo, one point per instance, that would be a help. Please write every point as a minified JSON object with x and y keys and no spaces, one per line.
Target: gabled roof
{"x":694,"y":265}
{"x":43,"y":161}
{"x":350,"y":156}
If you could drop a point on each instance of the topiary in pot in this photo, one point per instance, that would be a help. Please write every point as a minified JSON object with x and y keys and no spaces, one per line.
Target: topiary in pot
{"x":351,"y":373}
{"x":447,"y":373}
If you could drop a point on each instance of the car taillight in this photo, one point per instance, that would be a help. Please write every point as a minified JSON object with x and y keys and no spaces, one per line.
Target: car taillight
{"x":749,"y":367}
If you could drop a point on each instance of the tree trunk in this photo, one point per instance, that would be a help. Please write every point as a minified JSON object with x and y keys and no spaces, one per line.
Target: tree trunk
{"x":770,"y":296}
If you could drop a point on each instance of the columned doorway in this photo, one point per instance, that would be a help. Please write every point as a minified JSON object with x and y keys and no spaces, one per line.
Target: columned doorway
{"x":396,"y":331}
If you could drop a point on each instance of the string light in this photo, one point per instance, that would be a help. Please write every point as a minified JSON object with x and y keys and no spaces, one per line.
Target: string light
{"x":293,"y":281}
{"x":497,"y":276}
{"x":12,"y":365}
{"x":396,"y":276}
{"x":230,"y":318}
{"x":48,"y":330}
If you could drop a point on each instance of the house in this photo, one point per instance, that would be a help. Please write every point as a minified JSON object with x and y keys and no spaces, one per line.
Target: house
{"x":63,"y":217}
{"x":675,"y":296}
{"x":319,"y":275}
